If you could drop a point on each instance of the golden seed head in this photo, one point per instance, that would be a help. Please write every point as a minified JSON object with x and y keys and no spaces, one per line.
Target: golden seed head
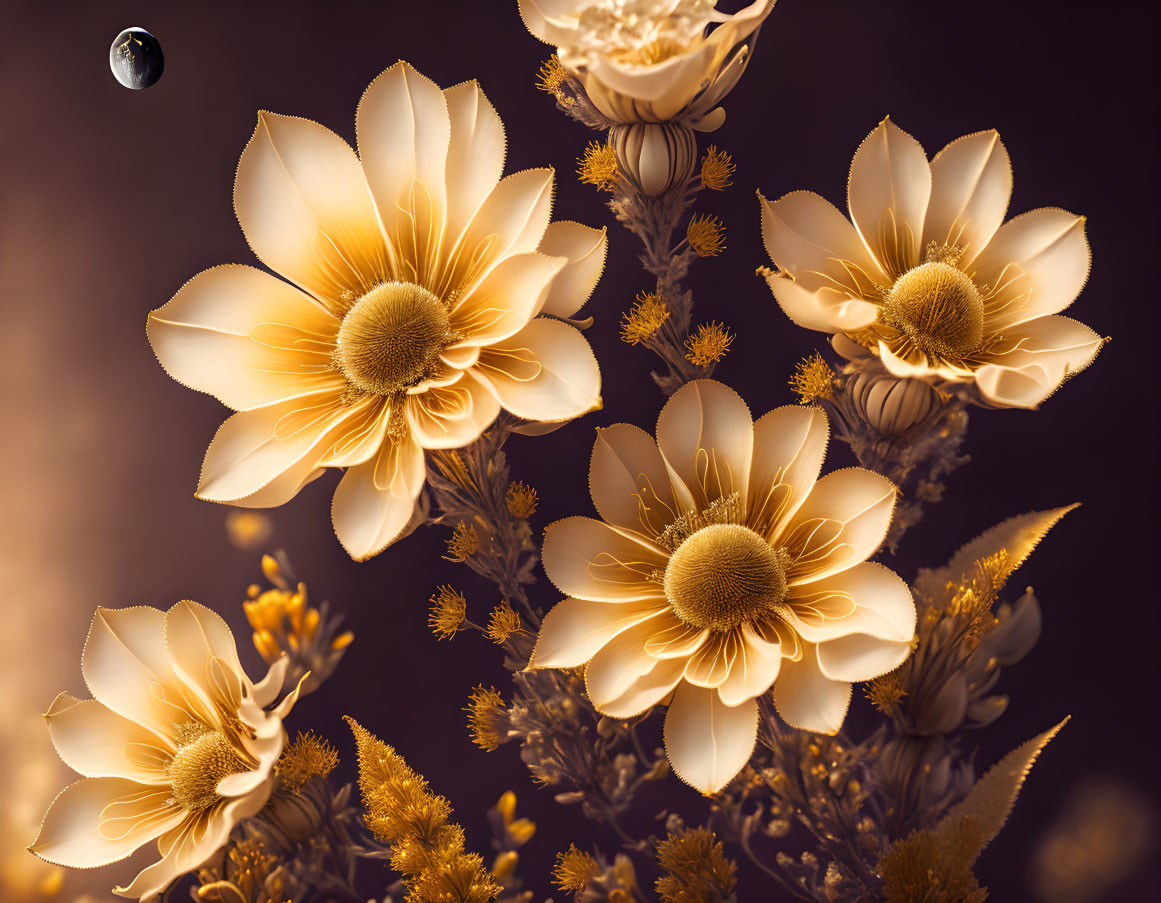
{"x":644,"y":318}
{"x":503,"y":622}
{"x":203,"y":758}
{"x":706,"y":235}
{"x":813,"y":379}
{"x":522,"y":500}
{"x":724,"y":575}
{"x":551,"y":76}
{"x":708,"y":345}
{"x":390,"y":340}
{"x":938,"y":308}
{"x":598,"y":166}
{"x":574,"y":870}
{"x":463,"y":543}
{"x":486,"y":716}
{"x":307,"y":756}
{"x":886,"y":690}
{"x":448,"y":609}
{"x":717,"y":169}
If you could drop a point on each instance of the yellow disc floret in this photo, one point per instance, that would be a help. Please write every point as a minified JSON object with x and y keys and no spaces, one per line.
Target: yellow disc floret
{"x":391,"y":338}
{"x":938,"y":308}
{"x":724,"y":575}
{"x":203,"y":758}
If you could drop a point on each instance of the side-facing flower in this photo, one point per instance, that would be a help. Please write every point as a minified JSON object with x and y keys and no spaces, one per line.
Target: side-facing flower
{"x":176,"y":746}
{"x":412,"y":312}
{"x":929,"y":277}
{"x":723,"y":565}
{"x":650,"y":60}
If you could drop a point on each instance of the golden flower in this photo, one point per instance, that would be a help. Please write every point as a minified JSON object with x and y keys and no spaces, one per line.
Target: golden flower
{"x":410,"y":315}
{"x":708,"y":345}
{"x":722,"y":565}
{"x":650,"y":60}
{"x":447,"y":612}
{"x":927,"y":278}
{"x":717,"y":169}
{"x":644,"y":318}
{"x":706,"y":235}
{"x":177,"y":746}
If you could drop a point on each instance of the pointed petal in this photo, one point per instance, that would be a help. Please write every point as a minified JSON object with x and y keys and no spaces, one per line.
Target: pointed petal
{"x":754,"y":669}
{"x":707,"y":741}
{"x":546,"y":372}
{"x":706,"y":436}
{"x":789,"y":448}
{"x":585,"y":249}
{"x":823,"y":309}
{"x":808,"y":699}
{"x":617,"y":669}
{"x":507,"y":298}
{"x":628,"y":481}
{"x":475,"y":156}
{"x":304,"y":205}
{"x":971,"y":184}
{"x":98,"y":743}
{"x":576,"y":629}
{"x":888,"y":191}
{"x":867,"y":598}
{"x":203,"y":652}
{"x":588,"y":559}
{"x":374,"y":503}
{"x":1050,"y":350}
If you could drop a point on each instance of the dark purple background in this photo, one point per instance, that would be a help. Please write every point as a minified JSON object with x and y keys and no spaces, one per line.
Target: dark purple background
{"x":111,"y":199}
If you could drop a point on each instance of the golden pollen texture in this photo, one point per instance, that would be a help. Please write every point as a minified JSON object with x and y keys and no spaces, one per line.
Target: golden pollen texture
{"x":939,"y":308}
{"x":724,"y":575}
{"x":203,"y":758}
{"x":391,"y":338}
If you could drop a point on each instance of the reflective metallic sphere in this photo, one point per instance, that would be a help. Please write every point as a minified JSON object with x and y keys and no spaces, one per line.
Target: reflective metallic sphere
{"x":136,"y":59}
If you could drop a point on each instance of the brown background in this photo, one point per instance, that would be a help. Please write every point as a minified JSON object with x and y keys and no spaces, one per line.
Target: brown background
{"x":111,"y":199}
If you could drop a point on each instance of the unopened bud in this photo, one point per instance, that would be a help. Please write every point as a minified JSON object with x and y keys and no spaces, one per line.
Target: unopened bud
{"x":655,"y":156}
{"x":892,"y":406}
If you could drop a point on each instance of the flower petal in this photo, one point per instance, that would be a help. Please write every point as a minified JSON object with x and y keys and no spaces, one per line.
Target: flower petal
{"x":789,"y":448}
{"x":628,"y":481}
{"x":824,"y":309}
{"x":622,"y":664}
{"x":374,"y":504}
{"x":574,"y":630}
{"x":303,"y":202}
{"x":586,"y":249}
{"x":97,"y":821}
{"x":808,"y":699}
{"x":1043,"y":257}
{"x":403,"y":132}
{"x":98,"y":743}
{"x":475,"y":156}
{"x":711,"y":664}
{"x":706,"y":437}
{"x":246,"y":338}
{"x":807,"y":237}
{"x":507,"y":298}
{"x":588,"y":559}
{"x":261,"y":458}
{"x":452,"y":416}
{"x":546,"y":372}
{"x":707,"y":741}
{"x":1050,"y":350}
{"x":203,"y":652}
{"x":754,"y":669}
{"x":971,"y":184}
{"x":867,"y":598}
{"x":860,"y":657}
{"x":888,"y":191}
{"x":843,"y":522}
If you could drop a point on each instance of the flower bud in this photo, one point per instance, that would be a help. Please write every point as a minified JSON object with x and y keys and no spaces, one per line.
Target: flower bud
{"x":655,"y":156}
{"x":945,"y":712}
{"x":1016,"y":633}
{"x":984,"y":711}
{"x":892,"y":406}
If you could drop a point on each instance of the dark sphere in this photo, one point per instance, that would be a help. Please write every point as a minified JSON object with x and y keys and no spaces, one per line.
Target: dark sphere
{"x":136,"y":59}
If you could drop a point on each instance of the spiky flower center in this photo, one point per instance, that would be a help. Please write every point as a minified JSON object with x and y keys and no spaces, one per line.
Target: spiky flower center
{"x":204,"y":757}
{"x":391,"y":338}
{"x":939,"y":308}
{"x":724,"y":575}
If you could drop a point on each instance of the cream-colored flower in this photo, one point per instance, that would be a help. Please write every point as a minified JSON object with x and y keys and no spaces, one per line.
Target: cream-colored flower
{"x":412,"y":312}
{"x":650,"y":60}
{"x":927,"y":278}
{"x":722,"y":565}
{"x":177,"y":746}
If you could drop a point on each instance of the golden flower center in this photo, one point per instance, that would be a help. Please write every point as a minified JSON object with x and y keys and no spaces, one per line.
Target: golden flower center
{"x":939,"y":308}
{"x":724,"y":575}
{"x":391,"y":338}
{"x":203,"y":758}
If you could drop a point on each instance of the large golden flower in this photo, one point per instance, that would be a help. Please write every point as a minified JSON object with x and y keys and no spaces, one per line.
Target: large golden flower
{"x":927,"y":278}
{"x":723,"y":565}
{"x":650,"y":60}
{"x":412,"y":314}
{"x":176,"y":746}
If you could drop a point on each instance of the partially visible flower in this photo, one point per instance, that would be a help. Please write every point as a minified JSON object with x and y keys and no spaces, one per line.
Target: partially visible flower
{"x":708,"y":345}
{"x":722,"y":565}
{"x":928,"y":279}
{"x":697,"y":869}
{"x":411,"y":312}
{"x":177,"y":746}
{"x":574,"y":869}
{"x":650,"y":60}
